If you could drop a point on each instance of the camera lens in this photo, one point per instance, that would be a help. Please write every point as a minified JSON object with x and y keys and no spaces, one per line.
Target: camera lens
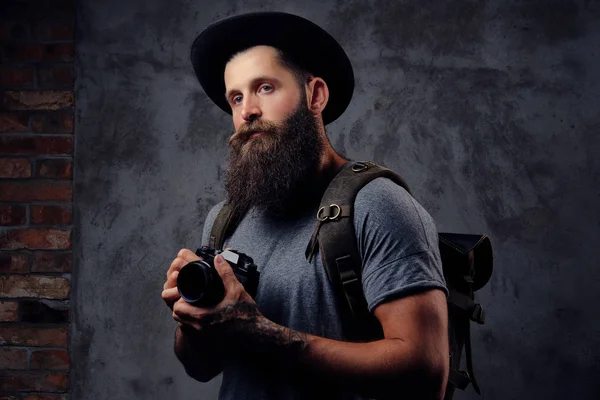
{"x":199,"y":284}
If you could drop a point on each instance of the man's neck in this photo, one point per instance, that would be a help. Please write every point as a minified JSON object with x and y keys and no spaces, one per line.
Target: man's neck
{"x":331,"y":162}
{"x":308,"y":194}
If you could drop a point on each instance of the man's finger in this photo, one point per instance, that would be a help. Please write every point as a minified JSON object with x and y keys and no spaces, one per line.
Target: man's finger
{"x":176,"y":265}
{"x":187,"y":312}
{"x":226,"y":273}
{"x":170,"y":295}
{"x":171,"y":280}
{"x":187,"y":326}
{"x":184,"y":257}
{"x":188,"y":255}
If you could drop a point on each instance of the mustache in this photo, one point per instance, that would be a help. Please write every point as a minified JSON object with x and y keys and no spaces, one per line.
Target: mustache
{"x":248,"y":129}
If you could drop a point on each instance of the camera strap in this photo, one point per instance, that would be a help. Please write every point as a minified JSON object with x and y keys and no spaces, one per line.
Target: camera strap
{"x":225,"y":224}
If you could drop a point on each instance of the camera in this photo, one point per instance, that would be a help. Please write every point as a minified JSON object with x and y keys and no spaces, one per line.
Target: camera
{"x":199,"y":282}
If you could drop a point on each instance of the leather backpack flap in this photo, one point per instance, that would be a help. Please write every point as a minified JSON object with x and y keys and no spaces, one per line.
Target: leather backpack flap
{"x":468,"y":255}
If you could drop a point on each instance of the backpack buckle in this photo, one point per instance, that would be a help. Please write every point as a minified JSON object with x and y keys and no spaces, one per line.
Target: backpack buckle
{"x":478,"y":314}
{"x":460,"y":379}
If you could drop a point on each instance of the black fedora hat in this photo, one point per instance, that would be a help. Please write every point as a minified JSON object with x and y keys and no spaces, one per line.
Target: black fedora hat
{"x":310,"y":45}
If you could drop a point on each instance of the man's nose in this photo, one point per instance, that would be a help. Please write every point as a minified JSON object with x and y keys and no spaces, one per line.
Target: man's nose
{"x":251,"y":110}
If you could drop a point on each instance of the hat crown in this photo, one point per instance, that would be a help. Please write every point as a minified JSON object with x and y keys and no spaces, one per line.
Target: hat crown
{"x":308,"y":44}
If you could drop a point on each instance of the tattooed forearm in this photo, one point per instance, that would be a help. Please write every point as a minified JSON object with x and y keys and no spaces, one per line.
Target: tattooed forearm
{"x":279,"y":338}
{"x":256,"y":332}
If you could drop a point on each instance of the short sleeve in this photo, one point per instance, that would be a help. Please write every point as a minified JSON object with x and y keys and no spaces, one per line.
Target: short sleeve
{"x":398,"y":243}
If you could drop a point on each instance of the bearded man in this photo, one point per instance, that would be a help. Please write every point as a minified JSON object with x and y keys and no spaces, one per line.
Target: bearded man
{"x":283,"y":78}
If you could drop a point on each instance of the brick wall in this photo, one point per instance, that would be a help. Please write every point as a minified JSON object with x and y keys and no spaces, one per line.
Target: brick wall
{"x":36,"y":149}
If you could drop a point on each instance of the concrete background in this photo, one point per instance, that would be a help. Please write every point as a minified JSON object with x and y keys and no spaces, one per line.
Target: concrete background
{"x":490,"y":110}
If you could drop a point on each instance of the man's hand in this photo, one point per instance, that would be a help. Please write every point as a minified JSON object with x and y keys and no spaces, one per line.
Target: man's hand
{"x":237,"y":311}
{"x":170,"y":294}
{"x":200,"y":354}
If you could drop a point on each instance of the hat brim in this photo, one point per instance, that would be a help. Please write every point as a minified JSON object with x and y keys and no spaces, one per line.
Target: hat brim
{"x":311,"y":46}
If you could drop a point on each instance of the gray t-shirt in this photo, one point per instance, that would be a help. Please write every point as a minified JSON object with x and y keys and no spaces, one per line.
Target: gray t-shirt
{"x":398,"y":244}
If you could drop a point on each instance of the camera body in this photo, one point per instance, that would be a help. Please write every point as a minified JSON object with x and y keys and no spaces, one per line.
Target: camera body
{"x":199,"y":282}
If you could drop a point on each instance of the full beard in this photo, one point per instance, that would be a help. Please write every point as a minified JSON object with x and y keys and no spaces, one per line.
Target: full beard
{"x":273,"y":172}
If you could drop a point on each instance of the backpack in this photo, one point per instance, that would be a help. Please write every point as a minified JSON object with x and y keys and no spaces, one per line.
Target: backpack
{"x":466,"y":260}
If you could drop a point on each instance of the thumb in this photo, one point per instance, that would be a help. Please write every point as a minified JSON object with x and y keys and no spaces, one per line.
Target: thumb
{"x":225,"y":272}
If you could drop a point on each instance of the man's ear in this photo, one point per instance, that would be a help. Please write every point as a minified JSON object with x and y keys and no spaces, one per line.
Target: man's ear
{"x":317,"y":94}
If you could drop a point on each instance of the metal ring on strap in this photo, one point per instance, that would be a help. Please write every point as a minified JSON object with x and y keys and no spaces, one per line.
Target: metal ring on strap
{"x":337,"y":214}
{"x":339,"y":211}
{"x":359,"y":167}
{"x":319,"y":213}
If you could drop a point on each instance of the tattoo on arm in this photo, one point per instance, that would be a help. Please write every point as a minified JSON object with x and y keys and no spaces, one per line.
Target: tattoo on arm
{"x":280,"y":338}
{"x":257,"y":331}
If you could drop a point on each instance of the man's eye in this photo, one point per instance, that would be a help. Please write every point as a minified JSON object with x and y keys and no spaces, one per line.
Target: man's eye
{"x":236,"y":98}
{"x":268,"y":88}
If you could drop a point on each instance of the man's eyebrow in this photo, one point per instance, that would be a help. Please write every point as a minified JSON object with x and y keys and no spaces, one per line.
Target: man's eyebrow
{"x":253,"y":83}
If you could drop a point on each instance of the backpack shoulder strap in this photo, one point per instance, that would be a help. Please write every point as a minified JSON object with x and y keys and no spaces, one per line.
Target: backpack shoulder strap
{"x":225,"y":223}
{"x":468,"y":265}
{"x":335,"y":235}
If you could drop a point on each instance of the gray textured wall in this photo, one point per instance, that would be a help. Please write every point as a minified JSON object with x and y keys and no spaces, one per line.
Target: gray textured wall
{"x":490,"y":109}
